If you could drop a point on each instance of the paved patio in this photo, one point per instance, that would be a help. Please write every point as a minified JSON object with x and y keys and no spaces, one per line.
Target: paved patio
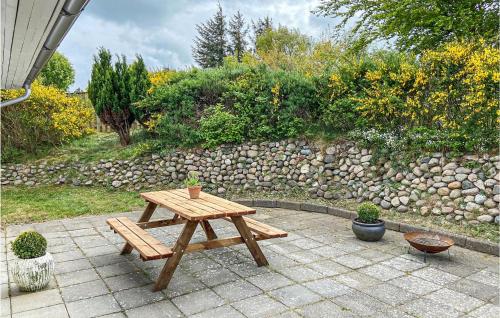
{"x":320,"y":270}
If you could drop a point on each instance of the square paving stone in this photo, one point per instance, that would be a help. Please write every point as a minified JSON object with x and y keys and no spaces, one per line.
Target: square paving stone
{"x":77,"y":277}
{"x":435,"y":276}
{"x":93,"y":307}
{"x":295,"y":295}
{"x":328,"y":267}
{"x":216,"y":276}
{"x":300,"y":273}
{"x":199,"y":264}
{"x":236,"y":290}
{"x":270,"y":281}
{"x":304,"y":257}
{"x":414,"y":285}
{"x":374,"y":255}
{"x":306,"y":243}
{"x":100,"y":250}
{"x":198,"y":301}
{"x":109,"y":259}
{"x":68,"y":256}
{"x":328,"y":287}
{"x":389,"y":294}
{"x":359,"y":303}
{"x":116,"y":269}
{"x":35,"y":300}
{"x":356,"y":280}
{"x":280,"y":261}
{"x":381,"y":272}
{"x":82,"y":232}
{"x":127,"y":281}
{"x":138,"y":296}
{"x":353,"y":261}
{"x":72,"y":266}
{"x":5,"y":307}
{"x":90,"y":241}
{"x":475,"y":289}
{"x":324,"y":309}
{"x":84,"y":290}
{"x":57,"y":311}
{"x":163,"y":308}
{"x":485,"y":277}
{"x":219,"y":312}
{"x":391,"y":313}
{"x":428,"y":308}
{"x":455,"y":299}
{"x":259,"y":306}
{"x":249,"y":269}
{"x":486,"y":311}
{"x":328,"y":251}
{"x":182,"y":283}
{"x":404,"y":264}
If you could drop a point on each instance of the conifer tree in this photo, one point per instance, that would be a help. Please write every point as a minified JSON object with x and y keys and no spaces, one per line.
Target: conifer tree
{"x":139,"y":80}
{"x":109,"y":92}
{"x":261,"y":26}
{"x":238,"y":33}
{"x":210,"y":46}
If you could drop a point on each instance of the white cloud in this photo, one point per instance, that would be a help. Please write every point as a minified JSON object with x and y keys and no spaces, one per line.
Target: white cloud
{"x":163,"y":32}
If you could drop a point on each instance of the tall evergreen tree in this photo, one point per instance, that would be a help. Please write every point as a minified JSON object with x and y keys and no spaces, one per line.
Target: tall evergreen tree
{"x":261,"y":26}
{"x":109,"y":92}
{"x":210,"y":46}
{"x":238,"y":33}
{"x":139,"y":80}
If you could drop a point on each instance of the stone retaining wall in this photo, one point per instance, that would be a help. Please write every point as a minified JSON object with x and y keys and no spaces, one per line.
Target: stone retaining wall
{"x":462,"y":189}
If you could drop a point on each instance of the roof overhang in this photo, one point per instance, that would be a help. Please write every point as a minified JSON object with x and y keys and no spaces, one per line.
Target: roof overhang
{"x":31,"y":32}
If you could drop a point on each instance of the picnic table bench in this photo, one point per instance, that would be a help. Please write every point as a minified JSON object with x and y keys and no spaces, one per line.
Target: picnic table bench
{"x":190,"y":212}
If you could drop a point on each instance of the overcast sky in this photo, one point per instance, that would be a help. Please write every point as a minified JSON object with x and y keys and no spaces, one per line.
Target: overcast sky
{"x":163,"y":31}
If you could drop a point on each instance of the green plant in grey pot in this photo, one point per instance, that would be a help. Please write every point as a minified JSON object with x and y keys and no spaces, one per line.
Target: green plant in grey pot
{"x":33,"y":267}
{"x":367,"y":226}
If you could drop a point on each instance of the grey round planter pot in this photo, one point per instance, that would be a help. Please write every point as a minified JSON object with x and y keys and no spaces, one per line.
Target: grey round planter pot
{"x":34,"y":273}
{"x":368,"y":232}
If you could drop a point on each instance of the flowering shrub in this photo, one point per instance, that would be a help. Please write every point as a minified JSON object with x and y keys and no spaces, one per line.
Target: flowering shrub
{"x":49,"y":116}
{"x":159,"y":78}
{"x":449,"y":96}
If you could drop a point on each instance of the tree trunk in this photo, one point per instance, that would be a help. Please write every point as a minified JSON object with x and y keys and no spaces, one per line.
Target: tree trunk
{"x":124,"y":137}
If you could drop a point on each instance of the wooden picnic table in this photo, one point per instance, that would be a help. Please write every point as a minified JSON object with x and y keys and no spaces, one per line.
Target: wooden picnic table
{"x":190,"y":212}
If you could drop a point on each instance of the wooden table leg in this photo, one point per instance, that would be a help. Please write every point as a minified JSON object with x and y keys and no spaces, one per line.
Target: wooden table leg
{"x":250,"y":241}
{"x":146,"y":215}
{"x":180,"y":246}
{"x":209,"y":231}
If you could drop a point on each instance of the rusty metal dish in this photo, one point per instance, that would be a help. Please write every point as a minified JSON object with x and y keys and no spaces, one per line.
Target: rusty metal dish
{"x":429,"y":242}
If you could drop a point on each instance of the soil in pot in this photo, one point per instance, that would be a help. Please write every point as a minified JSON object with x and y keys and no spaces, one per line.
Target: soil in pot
{"x":369,"y":232}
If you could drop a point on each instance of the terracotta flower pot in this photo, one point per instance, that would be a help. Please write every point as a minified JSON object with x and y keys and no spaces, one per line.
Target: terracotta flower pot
{"x":194,"y":192}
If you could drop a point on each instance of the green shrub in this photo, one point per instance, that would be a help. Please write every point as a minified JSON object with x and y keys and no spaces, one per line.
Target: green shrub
{"x":29,"y":244}
{"x":219,"y":127}
{"x":368,"y":213}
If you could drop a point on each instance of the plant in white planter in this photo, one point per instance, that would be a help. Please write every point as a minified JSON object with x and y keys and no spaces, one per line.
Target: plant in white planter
{"x":34,"y":266}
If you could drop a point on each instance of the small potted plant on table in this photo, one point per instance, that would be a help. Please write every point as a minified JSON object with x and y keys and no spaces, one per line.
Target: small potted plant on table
{"x":34,"y":266}
{"x":367,"y":226}
{"x":193,"y":184}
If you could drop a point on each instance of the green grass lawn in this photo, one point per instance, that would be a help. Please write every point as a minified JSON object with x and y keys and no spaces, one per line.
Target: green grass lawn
{"x":37,"y":204}
{"x":86,"y":149}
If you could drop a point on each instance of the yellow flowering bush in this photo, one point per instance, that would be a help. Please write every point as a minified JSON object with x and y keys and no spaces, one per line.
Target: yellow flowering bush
{"x":159,"y":78}
{"x":452,"y":92}
{"x":49,"y":116}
